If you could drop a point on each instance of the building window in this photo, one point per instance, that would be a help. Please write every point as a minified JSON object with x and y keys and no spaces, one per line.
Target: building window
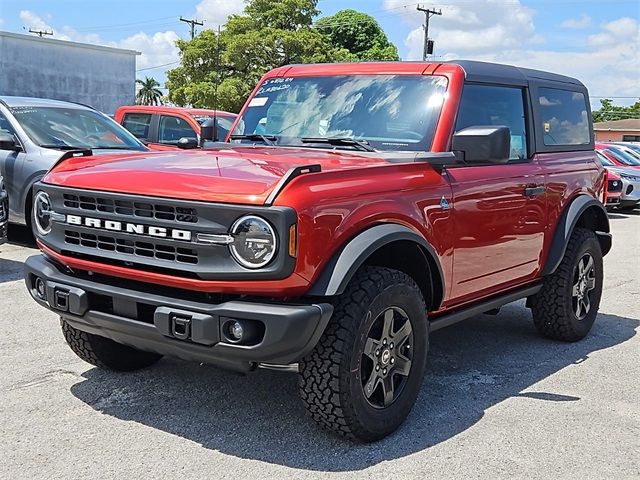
{"x":631,"y":138}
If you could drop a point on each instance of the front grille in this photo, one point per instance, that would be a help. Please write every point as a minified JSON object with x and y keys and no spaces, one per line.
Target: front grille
{"x":131,"y":208}
{"x":137,"y":248}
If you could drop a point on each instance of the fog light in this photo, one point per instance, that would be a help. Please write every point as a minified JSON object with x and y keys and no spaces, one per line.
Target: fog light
{"x":235,"y":331}
{"x":41,"y":290}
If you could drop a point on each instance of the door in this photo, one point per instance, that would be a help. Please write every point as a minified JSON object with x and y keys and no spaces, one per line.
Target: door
{"x":499,"y":209}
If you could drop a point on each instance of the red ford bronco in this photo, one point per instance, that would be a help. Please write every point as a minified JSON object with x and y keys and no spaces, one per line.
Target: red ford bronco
{"x":358,"y":208}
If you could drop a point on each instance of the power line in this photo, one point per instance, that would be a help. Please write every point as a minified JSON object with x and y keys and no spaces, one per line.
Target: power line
{"x":192,"y":24}
{"x":157,"y":66}
{"x":428,"y":43}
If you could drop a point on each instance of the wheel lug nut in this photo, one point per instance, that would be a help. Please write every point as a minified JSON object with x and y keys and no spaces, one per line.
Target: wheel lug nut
{"x":384,"y":342}
{"x":377,"y":353}
{"x":392,"y":360}
{"x":377,"y":368}
{"x":384,"y":371}
{"x":391,"y":345}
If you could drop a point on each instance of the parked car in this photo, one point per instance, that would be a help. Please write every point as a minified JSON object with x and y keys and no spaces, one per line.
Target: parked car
{"x":630,"y":178}
{"x":614,"y":189}
{"x":337,"y":233}
{"x":635,"y":146}
{"x":617,"y":155}
{"x":629,"y":148}
{"x":36,"y":133}
{"x":4,"y":212}
{"x":163,"y":127}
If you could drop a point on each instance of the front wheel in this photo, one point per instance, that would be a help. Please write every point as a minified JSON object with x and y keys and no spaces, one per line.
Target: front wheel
{"x":363,"y":377}
{"x":566,"y":306}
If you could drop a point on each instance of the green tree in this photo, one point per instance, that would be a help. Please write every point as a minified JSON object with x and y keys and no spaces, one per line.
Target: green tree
{"x":269,"y":34}
{"x":149,"y":93}
{"x":358,"y":33}
{"x":608,"y":111}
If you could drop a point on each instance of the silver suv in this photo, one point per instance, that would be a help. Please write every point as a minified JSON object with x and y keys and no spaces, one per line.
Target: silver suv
{"x":36,"y":133}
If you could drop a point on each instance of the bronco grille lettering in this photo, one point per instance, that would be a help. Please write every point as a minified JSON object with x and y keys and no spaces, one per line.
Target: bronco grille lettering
{"x":135,"y":228}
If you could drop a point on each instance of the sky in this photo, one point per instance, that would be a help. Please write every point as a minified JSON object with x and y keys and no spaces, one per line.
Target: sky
{"x":597,"y":41}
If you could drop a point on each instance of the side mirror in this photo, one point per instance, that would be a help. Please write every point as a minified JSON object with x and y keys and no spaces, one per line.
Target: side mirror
{"x":187,"y":143}
{"x":208,"y":130}
{"x":483,"y":144}
{"x":8,"y":141}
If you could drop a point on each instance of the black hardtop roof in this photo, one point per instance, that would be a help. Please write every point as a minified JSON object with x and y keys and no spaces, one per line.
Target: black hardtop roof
{"x":499,"y":73}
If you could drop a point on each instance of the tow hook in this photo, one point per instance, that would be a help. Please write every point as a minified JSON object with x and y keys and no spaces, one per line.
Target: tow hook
{"x":181,"y":327}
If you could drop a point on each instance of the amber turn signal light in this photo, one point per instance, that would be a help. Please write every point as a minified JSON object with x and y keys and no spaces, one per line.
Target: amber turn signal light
{"x":293,"y":240}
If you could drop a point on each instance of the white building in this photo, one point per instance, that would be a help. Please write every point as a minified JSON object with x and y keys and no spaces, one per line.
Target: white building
{"x":103,"y":77}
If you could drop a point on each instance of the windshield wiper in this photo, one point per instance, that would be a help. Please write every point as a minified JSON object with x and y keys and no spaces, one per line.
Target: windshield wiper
{"x":266,"y":139}
{"x":65,"y":147}
{"x":115,"y":148}
{"x":340,"y":141}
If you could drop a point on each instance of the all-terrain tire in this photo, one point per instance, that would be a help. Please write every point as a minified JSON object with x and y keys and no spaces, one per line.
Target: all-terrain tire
{"x":553,"y":307}
{"x":331,"y":376}
{"x":105,"y":353}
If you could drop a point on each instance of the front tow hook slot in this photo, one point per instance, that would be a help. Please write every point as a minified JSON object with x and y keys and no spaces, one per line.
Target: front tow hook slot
{"x":181,"y":327}
{"x":61,"y":299}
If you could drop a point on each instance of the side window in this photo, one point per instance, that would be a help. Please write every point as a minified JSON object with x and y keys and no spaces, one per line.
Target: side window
{"x":492,"y":105}
{"x":173,"y":129}
{"x":137,"y":124}
{"x":5,"y":127}
{"x":564,"y":117}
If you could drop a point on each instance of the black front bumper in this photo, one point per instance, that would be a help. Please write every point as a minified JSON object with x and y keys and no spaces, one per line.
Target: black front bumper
{"x":175,"y":326}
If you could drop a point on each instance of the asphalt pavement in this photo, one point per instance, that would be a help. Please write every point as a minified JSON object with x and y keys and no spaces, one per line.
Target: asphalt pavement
{"x":498,"y":401}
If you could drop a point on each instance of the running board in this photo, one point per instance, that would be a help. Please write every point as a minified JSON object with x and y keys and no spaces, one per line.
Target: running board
{"x":454,"y":317}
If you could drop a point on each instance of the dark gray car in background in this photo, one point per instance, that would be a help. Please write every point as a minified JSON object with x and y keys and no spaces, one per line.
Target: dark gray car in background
{"x":4,"y":212}
{"x":36,"y":133}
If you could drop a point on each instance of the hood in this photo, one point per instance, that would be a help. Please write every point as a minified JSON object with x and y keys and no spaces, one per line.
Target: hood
{"x":244,"y":175}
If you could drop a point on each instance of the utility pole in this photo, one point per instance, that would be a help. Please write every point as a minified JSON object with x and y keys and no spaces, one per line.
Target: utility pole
{"x":428,"y":43}
{"x":41,"y":33}
{"x":192,"y":24}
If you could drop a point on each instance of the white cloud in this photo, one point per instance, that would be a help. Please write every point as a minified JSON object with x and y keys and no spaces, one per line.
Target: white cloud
{"x":216,"y":12}
{"x":605,"y":61}
{"x":32,"y":21}
{"x":583,"y":21}
{"x":480,"y":27}
{"x":157,"y":49}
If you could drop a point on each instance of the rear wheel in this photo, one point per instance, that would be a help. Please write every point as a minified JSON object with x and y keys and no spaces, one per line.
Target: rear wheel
{"x":567,"y":305}
{"x":105,"y":353}
{"x":364,"y":375}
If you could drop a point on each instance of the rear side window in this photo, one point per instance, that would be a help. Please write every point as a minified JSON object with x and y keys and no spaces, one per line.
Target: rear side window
{"x":483,"y":105}
{"x":137,"y":124}
{"x":173,"y":129}
{"x":564,"y":117}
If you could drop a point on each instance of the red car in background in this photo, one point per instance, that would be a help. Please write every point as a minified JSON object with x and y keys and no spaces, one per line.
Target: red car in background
{"x":614,"y":189}
{"x":617,"y":155}
{"x":163,"y":127}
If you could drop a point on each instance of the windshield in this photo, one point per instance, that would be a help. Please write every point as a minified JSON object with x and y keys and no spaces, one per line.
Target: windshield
{"x":59,"y":127}
{"x":622,"y":156}
{"x":604,"y":160}
{"x":389,"y":112}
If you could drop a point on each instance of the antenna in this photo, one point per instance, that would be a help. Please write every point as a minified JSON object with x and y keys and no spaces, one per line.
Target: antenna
{"x":215,"y":89}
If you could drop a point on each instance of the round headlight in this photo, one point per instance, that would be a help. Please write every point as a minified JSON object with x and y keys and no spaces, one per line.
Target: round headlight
{"x":42,"y":213}
{"x":254,"y":242}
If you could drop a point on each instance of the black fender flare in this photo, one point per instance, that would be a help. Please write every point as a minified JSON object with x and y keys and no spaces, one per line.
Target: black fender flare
{"x":343,"y":265}
{"x":567,"y":223}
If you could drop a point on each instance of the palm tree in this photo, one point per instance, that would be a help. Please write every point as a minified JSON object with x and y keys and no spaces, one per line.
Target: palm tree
{"x":149,"y":93}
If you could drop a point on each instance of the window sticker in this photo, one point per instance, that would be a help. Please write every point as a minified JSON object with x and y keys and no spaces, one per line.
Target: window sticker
{"x":258,"y":101}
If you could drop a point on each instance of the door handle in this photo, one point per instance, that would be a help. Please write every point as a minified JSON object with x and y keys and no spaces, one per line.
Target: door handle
{"x":534,"y":191}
